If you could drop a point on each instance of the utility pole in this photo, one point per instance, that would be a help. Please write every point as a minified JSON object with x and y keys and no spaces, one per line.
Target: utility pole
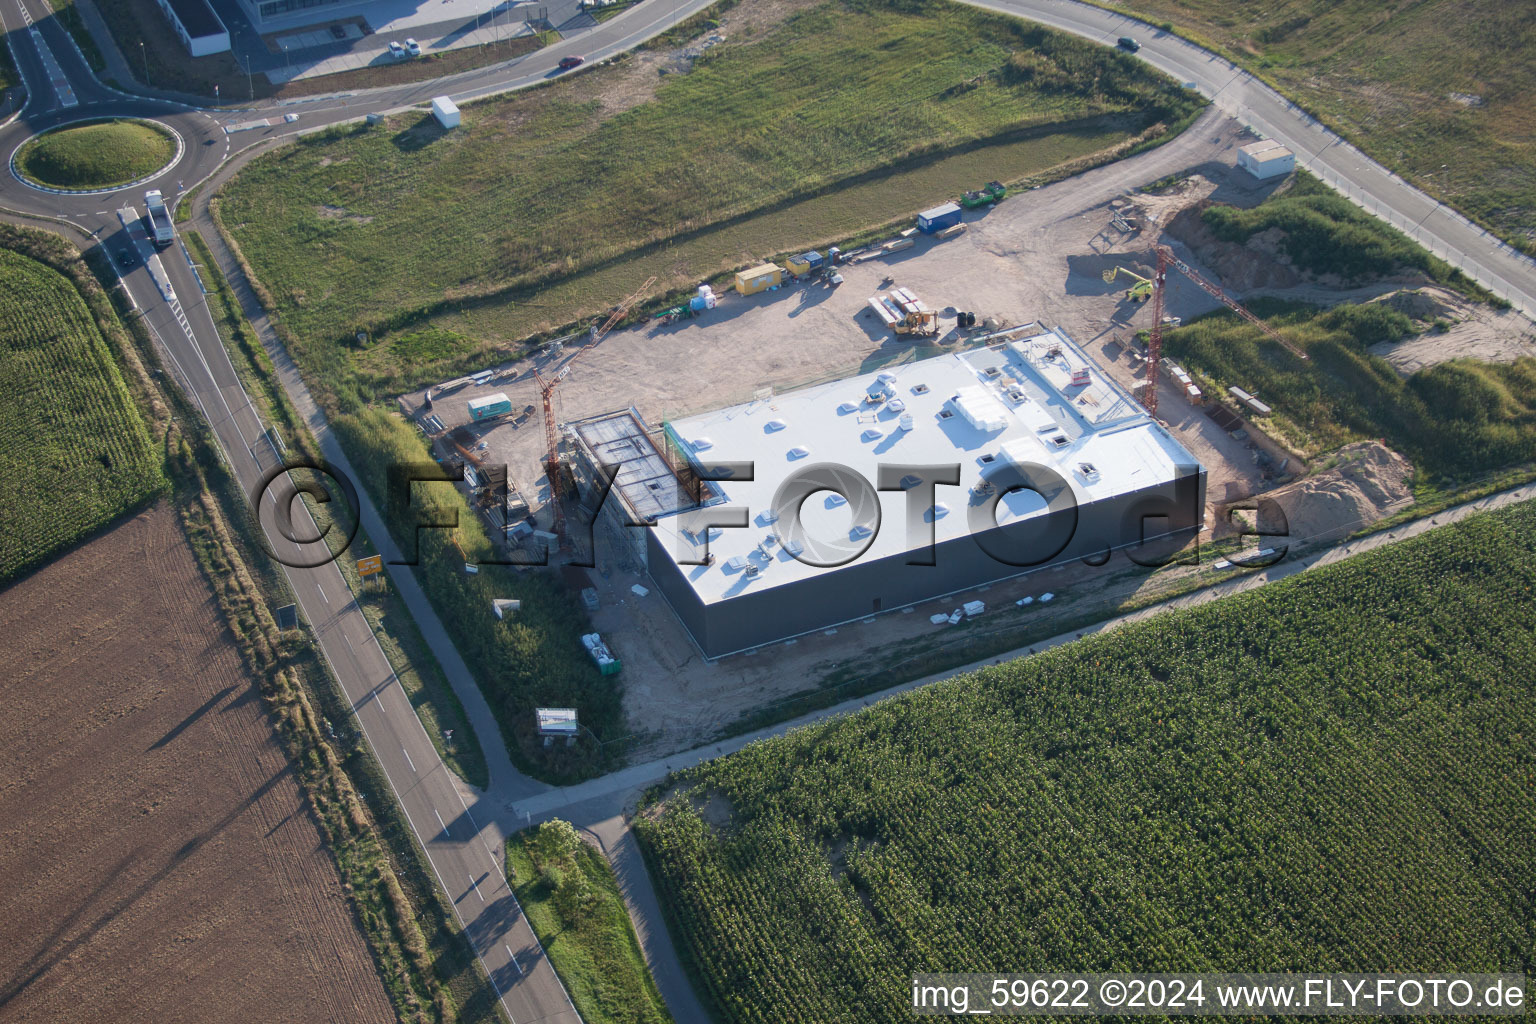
{"x":250,"y":87}
{"x":145,"y":54}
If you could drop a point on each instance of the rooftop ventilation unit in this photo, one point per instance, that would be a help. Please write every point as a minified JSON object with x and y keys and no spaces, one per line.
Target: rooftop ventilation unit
{"x":1088,"y":471}
{"x":1060,"y":441}
{"x":773,"y":425}
{"x":735,"y":563}
{"x":848,"y":407}
{"x":896,"y":405}
{"x":920,"y":389}
{"x":991,"y":371}
{"x":872,"y":434}
{"x":799,"y":451}
{"x":702,"y":444}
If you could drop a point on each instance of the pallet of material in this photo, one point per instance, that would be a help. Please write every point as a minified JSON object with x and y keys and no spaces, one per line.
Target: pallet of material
{"x":886,"y":310}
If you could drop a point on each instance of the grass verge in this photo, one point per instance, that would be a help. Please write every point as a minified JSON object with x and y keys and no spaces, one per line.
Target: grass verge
{"x":533,"y":659}
{"x":69,"y":16}
{"x":416,"y":667}
{"x":573,"y":903}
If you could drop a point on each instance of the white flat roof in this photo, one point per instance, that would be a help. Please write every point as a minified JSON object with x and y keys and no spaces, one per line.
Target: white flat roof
{"x":1035,"y":399}
{"x":1265,"y":149}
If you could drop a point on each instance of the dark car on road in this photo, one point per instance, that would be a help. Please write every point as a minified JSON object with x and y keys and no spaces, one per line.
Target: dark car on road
{"x":1129,"y":45}
{"x":566,"y":63}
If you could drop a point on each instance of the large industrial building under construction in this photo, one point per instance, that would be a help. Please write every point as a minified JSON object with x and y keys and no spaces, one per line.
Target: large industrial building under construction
{"x":808,"y":509}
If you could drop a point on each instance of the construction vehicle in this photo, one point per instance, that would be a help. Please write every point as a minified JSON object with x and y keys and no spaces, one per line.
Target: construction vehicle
{"x":992,"y":193}
{"x":547,"y":387}
{"x":161,"y":231}
{"x":1141,"y":291}
{"x":905,"y":313}
{"x":1165,"y":259}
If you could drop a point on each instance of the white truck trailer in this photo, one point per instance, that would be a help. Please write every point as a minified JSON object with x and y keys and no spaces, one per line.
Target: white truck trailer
{"x":161,"y":230}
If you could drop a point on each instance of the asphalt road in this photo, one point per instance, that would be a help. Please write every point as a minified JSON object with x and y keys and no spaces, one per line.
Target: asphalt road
{"x":463,"y":847}
{"x":1436,"y":226}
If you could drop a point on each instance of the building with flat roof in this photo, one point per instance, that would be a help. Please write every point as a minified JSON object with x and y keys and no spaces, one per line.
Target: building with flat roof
{"x":1266,"y":159}
{"x":274,"y":15}
{"x":198,"y":26}
{"x":829,"y":504}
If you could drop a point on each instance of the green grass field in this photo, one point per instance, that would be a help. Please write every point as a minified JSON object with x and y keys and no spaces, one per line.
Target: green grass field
{"x":1333,"y":771}
{"x":1327,"y":234}
{"x":1455,"y":420}
{"x":97,"y":155}
{"x":568,"y":892}
{"x":390,"y":228}
{"x":1441,"y":91}
{"x":76,"y":452}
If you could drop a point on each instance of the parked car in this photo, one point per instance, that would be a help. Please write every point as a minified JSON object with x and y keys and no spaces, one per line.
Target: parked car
{"x":413,"y":48}
{"x":396,"y":51}
{"x":566,"y":63}
{"x":1128,"y":44}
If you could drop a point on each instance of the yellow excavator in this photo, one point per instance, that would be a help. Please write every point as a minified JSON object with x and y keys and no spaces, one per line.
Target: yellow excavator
{"x":1141,"y":291}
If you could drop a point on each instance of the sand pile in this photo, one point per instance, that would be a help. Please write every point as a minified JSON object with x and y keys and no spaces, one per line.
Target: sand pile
{"x":1368,"y":483}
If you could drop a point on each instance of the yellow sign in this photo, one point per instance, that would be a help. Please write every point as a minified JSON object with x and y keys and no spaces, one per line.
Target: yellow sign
{"x":370,"y":565}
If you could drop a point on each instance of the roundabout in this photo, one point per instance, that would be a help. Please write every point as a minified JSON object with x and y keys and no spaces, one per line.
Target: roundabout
{"x":97,"y":155}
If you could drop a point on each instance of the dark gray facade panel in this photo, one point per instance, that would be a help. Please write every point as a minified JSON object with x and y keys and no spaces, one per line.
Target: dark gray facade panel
{"x":863,"y":588}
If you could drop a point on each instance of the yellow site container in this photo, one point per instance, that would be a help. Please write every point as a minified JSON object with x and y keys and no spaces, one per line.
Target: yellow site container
{"x":759,"y":278}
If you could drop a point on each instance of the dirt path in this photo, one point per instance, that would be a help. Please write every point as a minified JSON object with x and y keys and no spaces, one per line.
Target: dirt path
{"x":160,"y":861}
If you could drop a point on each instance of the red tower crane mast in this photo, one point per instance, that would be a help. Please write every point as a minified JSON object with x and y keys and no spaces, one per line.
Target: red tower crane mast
{"x":547,"y":387}
{"x":1166,"y":258}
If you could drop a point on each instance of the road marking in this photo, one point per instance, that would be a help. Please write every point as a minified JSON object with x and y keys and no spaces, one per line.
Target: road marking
{"x":408,"y":760}
{"x":514,"y":959}
{"x":476,"y":886}
{"x":322,"y":594}
{"x":440,"y":822}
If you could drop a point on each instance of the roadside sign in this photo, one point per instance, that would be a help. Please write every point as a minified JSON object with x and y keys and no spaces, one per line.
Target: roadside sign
{"x":370,"y":565}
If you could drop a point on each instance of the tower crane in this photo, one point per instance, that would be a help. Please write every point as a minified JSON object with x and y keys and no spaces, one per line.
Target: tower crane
{"x":547,"y":387}
{"x":1166,"y":258}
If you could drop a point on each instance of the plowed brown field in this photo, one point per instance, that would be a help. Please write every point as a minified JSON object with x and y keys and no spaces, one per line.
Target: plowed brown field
{"x":158,"y":861}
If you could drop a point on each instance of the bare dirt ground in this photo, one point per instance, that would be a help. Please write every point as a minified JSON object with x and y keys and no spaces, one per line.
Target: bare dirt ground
{"x":159,"y":861}
{"x":1039,"y":256}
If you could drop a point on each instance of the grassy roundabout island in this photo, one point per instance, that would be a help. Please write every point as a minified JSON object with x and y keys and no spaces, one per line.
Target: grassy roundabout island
{"x":96,"y":154}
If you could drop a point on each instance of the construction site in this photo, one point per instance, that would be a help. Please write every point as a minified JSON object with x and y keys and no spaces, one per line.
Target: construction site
{"x":614,"y":416}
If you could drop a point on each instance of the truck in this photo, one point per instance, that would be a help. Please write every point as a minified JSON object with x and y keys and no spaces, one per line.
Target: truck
{"x":158,"y":219}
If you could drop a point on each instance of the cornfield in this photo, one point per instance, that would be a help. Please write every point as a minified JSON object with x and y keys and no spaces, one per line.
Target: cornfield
{"x":74,"y":450}
{"x":1334,"y":773}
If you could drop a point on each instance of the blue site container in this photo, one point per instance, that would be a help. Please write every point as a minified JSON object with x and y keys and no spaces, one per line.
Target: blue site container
{"x":938,"y":218}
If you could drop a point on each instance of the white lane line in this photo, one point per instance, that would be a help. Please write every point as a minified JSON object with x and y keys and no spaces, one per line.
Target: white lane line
{"x":476,"y":886}
{"x":440,"y":822}
{"x":322,"y":594}
{"x":408,"y":760}
{"x":513,"y":957}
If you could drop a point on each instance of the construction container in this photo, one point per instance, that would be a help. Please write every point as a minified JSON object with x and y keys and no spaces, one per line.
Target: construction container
{"x":490,"y":405}
{"x":446,"y":112}
{"x":804,"y":263}
{"x":759,"y":278}
{"x":607,"y":664}
{"x":938,"y":218}
{"x":1266,"y":159}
